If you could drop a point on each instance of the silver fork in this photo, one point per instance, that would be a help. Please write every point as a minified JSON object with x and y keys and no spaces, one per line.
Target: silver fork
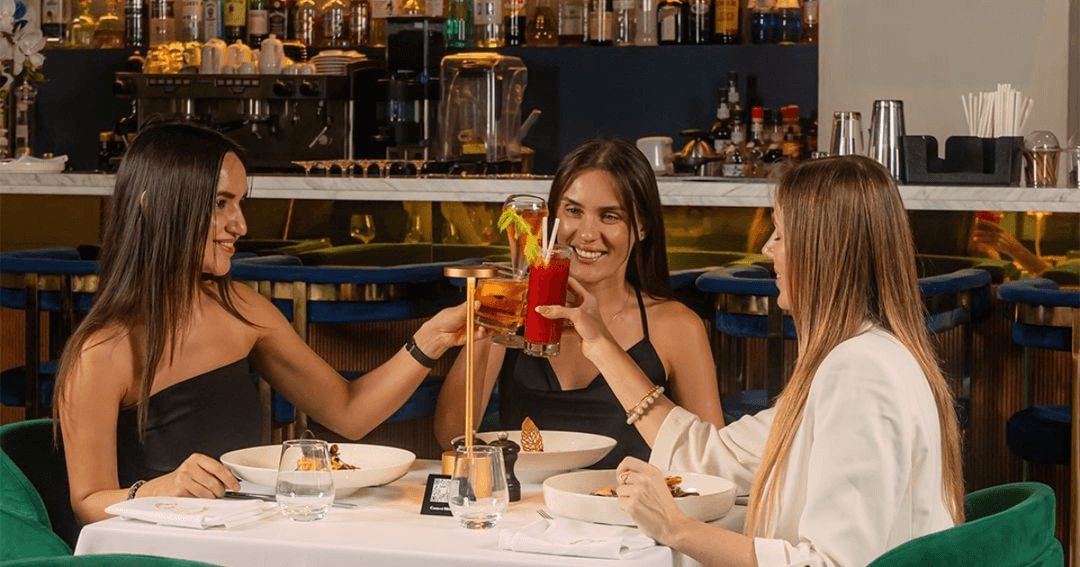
{"x":544,"y":514}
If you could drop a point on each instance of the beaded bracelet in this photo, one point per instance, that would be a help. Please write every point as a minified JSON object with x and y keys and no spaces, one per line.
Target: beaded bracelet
{"x":639,"y":410}
{"x":135,"y":488}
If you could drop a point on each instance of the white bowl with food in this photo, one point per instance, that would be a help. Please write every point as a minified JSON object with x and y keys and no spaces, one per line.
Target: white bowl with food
{"x":374,"y":465}
{"x":574,"y":495}
{"x":563,"y":451}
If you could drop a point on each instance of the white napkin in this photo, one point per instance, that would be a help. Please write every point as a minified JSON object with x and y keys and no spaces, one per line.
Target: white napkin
{"x":198,"y":513}
{"x":563,"y":536}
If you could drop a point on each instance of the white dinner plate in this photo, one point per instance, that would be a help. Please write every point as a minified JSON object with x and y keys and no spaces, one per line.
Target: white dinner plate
{"x":377,"y":465}
{"x":563,"y":451}
{"x":569,"y":495}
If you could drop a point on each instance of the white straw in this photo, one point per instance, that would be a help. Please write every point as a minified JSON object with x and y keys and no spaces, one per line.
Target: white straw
{"x":549,"y":244}
{"x":543,"y":239}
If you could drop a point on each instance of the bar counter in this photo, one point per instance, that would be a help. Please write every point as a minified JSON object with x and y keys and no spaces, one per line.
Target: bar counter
{"x":682,"y":191}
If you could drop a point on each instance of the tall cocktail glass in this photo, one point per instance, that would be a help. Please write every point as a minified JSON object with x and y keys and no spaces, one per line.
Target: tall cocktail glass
{"x":532,"y":209}
{"x":547,"y":286}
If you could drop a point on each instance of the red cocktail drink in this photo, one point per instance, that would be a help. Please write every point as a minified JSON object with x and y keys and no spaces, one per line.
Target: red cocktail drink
{"x":547,"y":286}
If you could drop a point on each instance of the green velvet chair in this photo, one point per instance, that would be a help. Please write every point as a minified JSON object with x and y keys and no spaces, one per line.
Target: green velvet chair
{"x":1011,"y":525}
{"x":104,"y":560}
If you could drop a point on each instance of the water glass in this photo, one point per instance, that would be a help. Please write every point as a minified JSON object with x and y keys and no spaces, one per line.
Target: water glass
{"x":478,"y":496}
{"x":305,"y":483}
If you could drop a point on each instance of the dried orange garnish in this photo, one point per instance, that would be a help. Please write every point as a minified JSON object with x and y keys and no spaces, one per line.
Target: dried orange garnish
{"x":531,"y":440}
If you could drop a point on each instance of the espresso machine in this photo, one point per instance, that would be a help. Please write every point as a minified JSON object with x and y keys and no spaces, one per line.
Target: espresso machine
{"x":277,"y":119}
{"x":414,"y":47}
{"x":480,"y":113}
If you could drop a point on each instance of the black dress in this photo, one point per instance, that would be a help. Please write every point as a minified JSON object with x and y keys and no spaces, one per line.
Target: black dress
{"x":528,"y":387}
{"x":212,"y":414}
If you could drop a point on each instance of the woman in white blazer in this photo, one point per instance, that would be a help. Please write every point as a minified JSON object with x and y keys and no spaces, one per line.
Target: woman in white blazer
{"x":861,"y":451}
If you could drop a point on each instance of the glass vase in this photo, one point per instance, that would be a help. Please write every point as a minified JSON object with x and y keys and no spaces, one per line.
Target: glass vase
{"x":7,"y":104}
{"x":25,"y":95}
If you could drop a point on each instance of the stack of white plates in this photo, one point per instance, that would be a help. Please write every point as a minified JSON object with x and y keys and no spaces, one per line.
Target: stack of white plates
{"x":334,"y":62}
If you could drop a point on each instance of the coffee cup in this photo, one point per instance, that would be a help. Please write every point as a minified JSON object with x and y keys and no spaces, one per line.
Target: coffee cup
{"x":657,"y":150}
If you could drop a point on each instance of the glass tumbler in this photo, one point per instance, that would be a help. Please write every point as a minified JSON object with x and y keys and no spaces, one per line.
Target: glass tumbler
{"x":479,"y":496}
{"x":547,"y":286}
{"x":532,"y":209}
{"x":502,"y":307}
{"x":305,"y":482}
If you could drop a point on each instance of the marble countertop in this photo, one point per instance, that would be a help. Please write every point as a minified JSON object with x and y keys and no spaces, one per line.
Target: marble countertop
{"x":696,"y":192}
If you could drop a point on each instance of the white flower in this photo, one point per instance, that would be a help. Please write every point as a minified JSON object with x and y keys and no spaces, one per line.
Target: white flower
{"x":7,"y":16}
{"x":29,"y":41}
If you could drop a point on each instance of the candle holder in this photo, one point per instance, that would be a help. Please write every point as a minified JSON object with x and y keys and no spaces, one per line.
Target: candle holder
{"x":470,"y":274}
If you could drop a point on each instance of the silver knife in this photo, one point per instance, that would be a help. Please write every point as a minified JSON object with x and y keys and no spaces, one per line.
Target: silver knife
{"x":271,"y":498}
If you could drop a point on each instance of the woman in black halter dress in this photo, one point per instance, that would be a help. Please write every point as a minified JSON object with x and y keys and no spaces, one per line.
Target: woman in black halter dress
{"x":605,"y":196}
{"x":155,"y":384}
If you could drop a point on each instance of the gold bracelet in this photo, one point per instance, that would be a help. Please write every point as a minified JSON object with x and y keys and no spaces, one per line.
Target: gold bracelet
{"x":633,"y":414}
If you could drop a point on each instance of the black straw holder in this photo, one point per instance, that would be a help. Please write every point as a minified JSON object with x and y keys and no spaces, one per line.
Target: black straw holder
{"x":969,"y":160}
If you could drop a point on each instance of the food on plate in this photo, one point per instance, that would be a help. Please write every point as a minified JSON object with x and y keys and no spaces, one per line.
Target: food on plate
{"x":531,"y":440}
{"x":312,"y":464}
{"x":673,"y":483}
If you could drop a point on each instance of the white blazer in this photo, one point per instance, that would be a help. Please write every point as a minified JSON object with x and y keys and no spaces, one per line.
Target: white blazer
{"x":864,"y":473}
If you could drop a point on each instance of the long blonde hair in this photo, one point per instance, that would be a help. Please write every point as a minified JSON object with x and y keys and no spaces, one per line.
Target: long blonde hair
{"x":850,"y":260}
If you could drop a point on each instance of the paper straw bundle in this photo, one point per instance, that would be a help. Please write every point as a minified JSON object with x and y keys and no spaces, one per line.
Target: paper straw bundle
{"x":1003,"y":112}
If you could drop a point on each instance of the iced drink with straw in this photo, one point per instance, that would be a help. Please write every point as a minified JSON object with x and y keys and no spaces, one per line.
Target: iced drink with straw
{"x":527,"y":213}
{"x":548,"y":278}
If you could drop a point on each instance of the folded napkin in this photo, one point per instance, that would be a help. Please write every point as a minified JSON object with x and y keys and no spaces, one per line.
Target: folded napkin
{"x":563,"y":536}
{"x":198,"y":513}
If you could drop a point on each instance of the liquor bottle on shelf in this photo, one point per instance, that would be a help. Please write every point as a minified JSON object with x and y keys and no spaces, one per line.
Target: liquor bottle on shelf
{"x":601,"y":22}
{"x":162,"y":27}
{"x":411,"y":8}
{"x":235,"y":20}
{"x":213,"y":27}
{"x":792,"y":133}
{"x":735,"y":163}
{"x":279,"y":18}
{"x":789,"y":20}
{"x":543,"y":25}
{"x":757,"y":144}
{"x":726,"y":20}
{"x":700,"y":23}
{"x":514,"y":22}
{"x":335,"y":30}
{"x":774,"y":134}
{"x":459,"y":24}
{"x":54,"y":20}
{"x":646,"y":23}
{"x":487,"y":23}
{"x":188,"y":20}
{"x":571,"y":22}
{"x":721,"y":128}
{"x":733,"y":97}
{"x":135,"y":22}
{"x":810,"y":21}
{"x":359,"y":22}
{"x":258,"y":22}
{"x":82,"y":27}
{"x":762,"y":21}
{"x":109,"y":33}
{"x":626,"y":22}
{"x":671,"y":22}
{"x":380,"y":10}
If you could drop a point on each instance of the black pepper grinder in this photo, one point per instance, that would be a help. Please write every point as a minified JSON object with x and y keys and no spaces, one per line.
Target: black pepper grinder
{"x":510,"y":452}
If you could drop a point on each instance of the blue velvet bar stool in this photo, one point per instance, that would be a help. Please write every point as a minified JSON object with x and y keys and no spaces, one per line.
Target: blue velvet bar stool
{"x":329,"y":294}
{"x":746,"y":308}
{"x":1047,"y":316}
{"x":49,"y":280}
{"x":745,"y":300}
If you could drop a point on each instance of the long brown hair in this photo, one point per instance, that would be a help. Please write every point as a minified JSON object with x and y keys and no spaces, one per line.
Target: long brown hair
{"x":636,"y":189}
{"x":851,"y":260}
{"x":150,"y":264}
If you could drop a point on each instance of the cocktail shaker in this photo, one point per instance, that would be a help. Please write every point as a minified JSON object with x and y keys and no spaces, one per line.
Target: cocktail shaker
{"x":886,"y":128}
{"x":847,"y":136}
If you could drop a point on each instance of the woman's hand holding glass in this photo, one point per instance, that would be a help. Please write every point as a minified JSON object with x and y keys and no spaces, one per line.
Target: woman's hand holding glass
{"x":586,"y":321}
{"x":645,"y":497}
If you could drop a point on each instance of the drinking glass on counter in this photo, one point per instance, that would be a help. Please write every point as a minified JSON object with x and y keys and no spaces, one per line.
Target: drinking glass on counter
{"x":502,"y":307}
{"x":547,"y":286}
{"x":533,"y":210}
{"x":362,"y":228}
{"x":305,"y":483}
{"x":479,"y":495}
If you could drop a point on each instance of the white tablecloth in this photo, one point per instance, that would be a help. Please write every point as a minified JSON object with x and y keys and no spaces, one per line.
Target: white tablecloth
{"x":385,"y":529}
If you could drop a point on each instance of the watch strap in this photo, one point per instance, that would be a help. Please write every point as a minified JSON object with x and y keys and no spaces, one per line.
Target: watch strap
{"x":414,"y":350}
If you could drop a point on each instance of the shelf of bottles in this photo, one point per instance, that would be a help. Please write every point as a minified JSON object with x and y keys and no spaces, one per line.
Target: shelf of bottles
{"x":143,"y":24}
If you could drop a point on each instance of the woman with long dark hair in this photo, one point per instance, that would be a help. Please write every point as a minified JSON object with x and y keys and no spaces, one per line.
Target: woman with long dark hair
{"x":606,"y":199}
{"x":156,"y":382}
{"x":861,"y":451}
